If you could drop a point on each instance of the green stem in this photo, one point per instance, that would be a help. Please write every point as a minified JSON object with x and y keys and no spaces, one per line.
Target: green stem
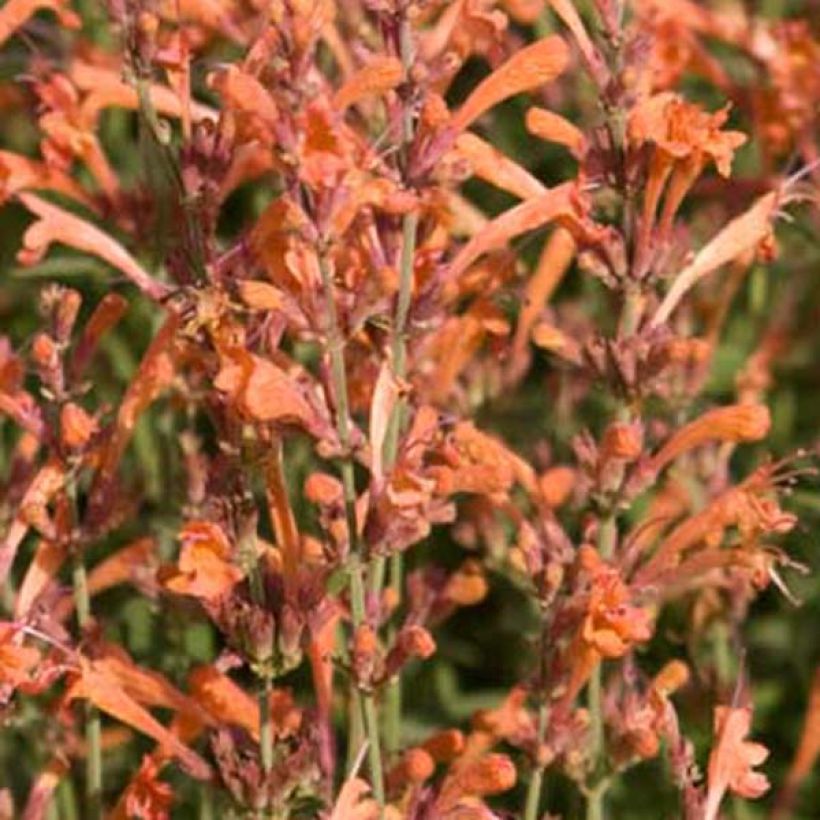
{"x":409,"y":230}
{"x":249,"y":561}
{"x":537,"y":779}
{"x":607,"y":541}
{"x":595,"y":800}
{"x":607,"y":538}
{"x":206,"y":802}
{"x":93,"y":776}
{"x":66,"y":800}
{"x":335,"y":345}
{"x":265,"y":726}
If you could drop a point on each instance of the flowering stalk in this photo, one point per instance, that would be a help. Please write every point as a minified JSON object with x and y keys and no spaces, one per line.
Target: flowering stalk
{"x":534,"y":788}
{"x":392,"y":704}
{"x":93,"y":771}
{"x":355,"y":559}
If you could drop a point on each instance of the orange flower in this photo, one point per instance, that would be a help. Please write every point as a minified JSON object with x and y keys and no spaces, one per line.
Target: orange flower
{"x":146,"y":796}
{"x":733,"y":758}
{"x":19,"y":173}
{"x":467,"y":586}
{"x":381,"y":75}
{"x":684,"y":139}
{"x":253,"y":107}
{"x":595,"y":64}
{"x":746,"y":506}
{"x":807,"y":752}
{"x":489,"y":164}
{"x":354,"y":804}
{"x":555,"y":204}
{"x":471,"y":778}
{"x":264,"y":392}
{"x":104,"y":87}
{"x":223,"y":699}
{"x":15,"y":13}
{"x":76,"y":426}
{"x":621,"y":441}
{"x":484,"y":465}
{"x":553,"y":263}
{"x":680,"y":130}
{"x":556,"y":485}
{"x":98,"y":683}
{"x":445,"y":746}
{"x":610,"y":625}
{"x":204,"y":569}
{"x":16,"y":661}
{"x":45,"y":485}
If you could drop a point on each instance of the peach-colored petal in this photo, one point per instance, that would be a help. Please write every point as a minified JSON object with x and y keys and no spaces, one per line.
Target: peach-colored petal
{"x":44,"y":566}
{"x":554,"y":128}
{"x":48,"y":481}
{"x":105,"y":88}
{"x":380,"y":75}
{"x":740,"y":236}
{"x":19,"y":173}
{"x":489,"y":164}
{"x":735,"y":423}
{"x":97,"y":684}
{"x":15,"y":13}
{"x":57,"y":225}
{"x":596,"y":66}
{"x":537,"y":64}
{"x":534,"y":213}
{"x":732,"y":760}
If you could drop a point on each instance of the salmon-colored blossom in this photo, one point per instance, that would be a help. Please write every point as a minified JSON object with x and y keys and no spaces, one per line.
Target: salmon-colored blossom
{"x":733,"y":759}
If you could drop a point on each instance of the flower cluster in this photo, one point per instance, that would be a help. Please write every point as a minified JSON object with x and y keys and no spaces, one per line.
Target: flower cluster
{"x":303,"y":463}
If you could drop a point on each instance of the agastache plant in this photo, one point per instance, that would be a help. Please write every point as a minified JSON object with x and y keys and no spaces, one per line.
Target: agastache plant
{"x":278,"y":427}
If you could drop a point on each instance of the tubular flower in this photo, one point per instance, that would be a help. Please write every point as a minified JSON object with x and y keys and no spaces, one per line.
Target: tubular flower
{"x":735,"y":423}
{"x":56,"y":225}
{"x":683,"y":139}
{"x":680,"y":131}
{"x":530,"y":67}
{"x":751,"y":507}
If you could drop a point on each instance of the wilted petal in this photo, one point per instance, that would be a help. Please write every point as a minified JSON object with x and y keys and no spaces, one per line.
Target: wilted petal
{"x":741,"y":235}
{"x":98,"y":685}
